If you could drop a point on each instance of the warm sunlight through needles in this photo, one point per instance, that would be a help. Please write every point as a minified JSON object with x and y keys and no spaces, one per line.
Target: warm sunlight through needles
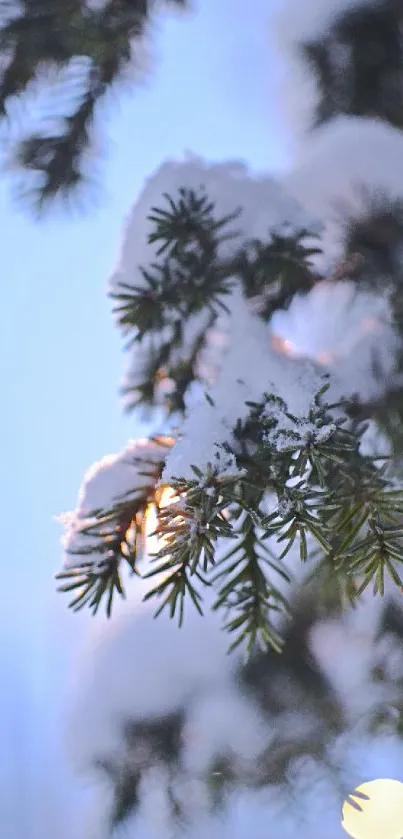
{"x":164,"y":496}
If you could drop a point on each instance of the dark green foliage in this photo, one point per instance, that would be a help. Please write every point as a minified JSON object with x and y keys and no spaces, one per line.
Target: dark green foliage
{"x":145,"y":743}
{"x":276,"y":270}
{"x":328,"y":495}
{"x":292,"y":684}
{"x":392,"y":620}
{"x":189,"y":533}
{"x":280,"y":685}
{"x":87,"y":51}
{"x":338,"y":507}
{"x":112,"y":537}
{"x":245,"y":588}
{"x":191,"y":279}
{"x":295,"y":665}
{"x":162,"y":735}
{"x":374,"y":240}
{"x":317,"y":56}
{"x":376,"y":236}
{"x":125,"y":783}
{"x":285,"y":688}
{"x":297,"y":482}
{"x":368,"y":80}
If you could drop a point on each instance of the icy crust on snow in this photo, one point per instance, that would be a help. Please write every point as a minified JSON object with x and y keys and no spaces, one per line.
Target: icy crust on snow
{"x":113,"y":479}
{"x":250,"y":367}
{"x":264,"y":202}
{"x":336,"y":322}
{"x":346,"y":162}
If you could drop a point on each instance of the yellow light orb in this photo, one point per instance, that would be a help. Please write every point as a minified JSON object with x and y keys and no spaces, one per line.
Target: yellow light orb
{"x":374,"y":811}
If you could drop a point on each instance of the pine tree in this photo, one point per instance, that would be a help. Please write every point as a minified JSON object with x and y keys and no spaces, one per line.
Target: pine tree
{"x":276,"y":490}
{"x":80,"y":50}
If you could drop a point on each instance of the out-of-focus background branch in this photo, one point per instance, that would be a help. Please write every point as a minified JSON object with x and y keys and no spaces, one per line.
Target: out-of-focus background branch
{"x":64,"y":57}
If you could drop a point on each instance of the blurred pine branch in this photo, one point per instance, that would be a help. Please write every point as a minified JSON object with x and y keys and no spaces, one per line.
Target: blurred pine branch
{"x":81,"y":50}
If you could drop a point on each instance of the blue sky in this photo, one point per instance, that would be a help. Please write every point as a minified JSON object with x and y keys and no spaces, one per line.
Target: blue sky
{"x":213,"y":91}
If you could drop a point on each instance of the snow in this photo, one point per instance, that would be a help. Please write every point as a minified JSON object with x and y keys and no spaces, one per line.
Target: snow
{"x":335,"y":322}
{"x":142,"y":58}
{"x":113,"y":479}
{"x":97,"y":5}
{"x":136,"y":668}
{"x":346,"y":161}
{"x":346,"y":659}
{"x":343,"y":155}
{"x":216,"y":341}
{"x":250,"y":368}
{"x":292,"y":25}
{"x":298,"y":96}
{"x":141,"y":353}
{"x":374,"y":443}
{"x":255,"y":812}
{"x":229,"y":185}
{"x":296,"y":23}
{"x":224,"y":723}
{"x":265,"y":206}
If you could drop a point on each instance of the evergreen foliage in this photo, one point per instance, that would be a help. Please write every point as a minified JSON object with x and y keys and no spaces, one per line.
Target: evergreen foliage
{"x":329,"y":496}
{"x":115,"y":536}
{"x":85,"y":49}
{"x":367,"y":81}
{"x":282,"y":482}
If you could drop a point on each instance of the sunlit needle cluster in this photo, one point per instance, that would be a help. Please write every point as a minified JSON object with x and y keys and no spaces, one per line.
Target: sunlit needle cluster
{"x":163,"y":498}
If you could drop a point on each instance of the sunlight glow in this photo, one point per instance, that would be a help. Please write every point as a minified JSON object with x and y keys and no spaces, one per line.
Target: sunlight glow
{"x":368,"y":326}
{"x":164,"y":496}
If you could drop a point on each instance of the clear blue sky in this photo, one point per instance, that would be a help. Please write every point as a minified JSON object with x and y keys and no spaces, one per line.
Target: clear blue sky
{"x":212,"y":91}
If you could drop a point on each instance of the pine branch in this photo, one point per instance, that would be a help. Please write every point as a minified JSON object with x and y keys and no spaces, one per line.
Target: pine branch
{"x":355,"y":516}
{"x":110,"y":538}
{"x":189,"y":224}
{"x":118,"y":536}
{"x":328,"y":493}
{"x":145,"y":744}
{"x":189,"y":529}
{"x":375,"y":237}
{"x":275,"y":270}
{"x":193,"y":279}
{"x":324,"y":491}
{"x":55,"y":34}
{"x":380,"y":549}
{"x":368,"y":82}
{"x":246,"y":593}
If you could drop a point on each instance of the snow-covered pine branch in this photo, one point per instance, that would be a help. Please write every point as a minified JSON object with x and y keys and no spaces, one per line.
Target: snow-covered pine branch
{"x":206,"y":272}
{"x":108,"y":527}
{"x":237,"y":294}
{"x":166,"y":300}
